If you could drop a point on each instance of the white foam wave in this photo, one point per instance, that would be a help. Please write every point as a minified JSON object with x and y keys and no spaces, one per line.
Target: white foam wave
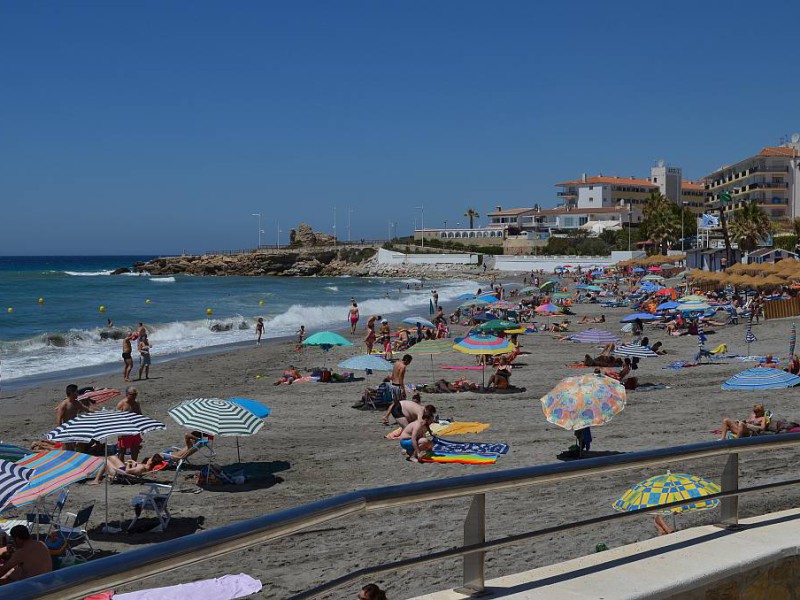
{"x":162,"y":279}
{"x":333,"y":288}
{"x":87,"y":273}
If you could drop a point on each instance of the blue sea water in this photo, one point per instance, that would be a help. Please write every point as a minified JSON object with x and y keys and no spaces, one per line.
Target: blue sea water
{"x":66,"y":331}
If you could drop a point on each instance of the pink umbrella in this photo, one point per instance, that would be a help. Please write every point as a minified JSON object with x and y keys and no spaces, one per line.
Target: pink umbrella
{"x":100,"y":396}
{"x":654,"y":269}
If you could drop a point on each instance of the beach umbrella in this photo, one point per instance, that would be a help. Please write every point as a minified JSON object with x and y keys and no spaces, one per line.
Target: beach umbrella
{"x":583,"y":401}
{"x":326,"y":340}
{"x":465,"y":296}
{"x":593,"y":288}
{"x":418,"y":320}
{"x":99,"y":396}
{"x":431,"y":347}
{"x":560,"y":295}
{"x":483,"y":317}
{"x":366,"y":362}
{"x":656,"y":278}
{"x":215,"y":416}
{"x":641,"y":316}
{"x":638,"y":270}
{"x":470,"y":303}
{"x":667,"y":292}
{"x":792,"y":340}
{"x":749,"y":336}
{"x":495,"y":325}
{"x":517,"y":330}
{"x":488,"y":296}
{"x":54,"y":470}
{"x":668,"y":488}
{"x":547,"y":308}
{"x":13,"y":478}
{"x":530,"y":290}
{"x":262,"y":411}
{"x":13,"y":453}
{"x":594,"y":335}
{"x":100,"y":425}
{"x":547,"y":285}
{"x":654,"y":269}
{"x":693,"y":306}
{"x":761,"y":378}
{"x":504,"y":305}
{"x":635,"y":350}
{"x":693,"y":298}
{"x":483,"y":344}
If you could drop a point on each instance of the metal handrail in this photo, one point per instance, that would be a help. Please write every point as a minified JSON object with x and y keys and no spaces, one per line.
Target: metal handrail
{"x":81,"y":580}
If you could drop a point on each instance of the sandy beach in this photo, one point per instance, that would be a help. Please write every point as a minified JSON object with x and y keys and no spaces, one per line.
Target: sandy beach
{"x":314,"y":445}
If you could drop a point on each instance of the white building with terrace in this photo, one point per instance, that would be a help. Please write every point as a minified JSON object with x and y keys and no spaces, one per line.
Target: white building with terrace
{"x":484,"y":236}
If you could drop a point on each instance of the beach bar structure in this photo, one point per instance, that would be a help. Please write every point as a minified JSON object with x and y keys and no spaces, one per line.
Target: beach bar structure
{"x":128,"y":567}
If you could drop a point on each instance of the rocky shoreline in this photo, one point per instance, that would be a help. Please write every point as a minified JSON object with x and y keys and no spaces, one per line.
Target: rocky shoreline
{"x":347,"y":260}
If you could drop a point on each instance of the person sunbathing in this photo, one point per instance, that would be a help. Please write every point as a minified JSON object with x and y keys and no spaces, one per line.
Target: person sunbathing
{"x":115,"y":466}
{"x":559,"y":327}
{"x":755,"y":424}
{"x":190,"y":440}
{"x":588,"y":319}
{"x":289,"y":375}
{"x":622,"y":373}
{"x":661,"y":526}
{"x":602,"y":361}
{"x":769,"y":362}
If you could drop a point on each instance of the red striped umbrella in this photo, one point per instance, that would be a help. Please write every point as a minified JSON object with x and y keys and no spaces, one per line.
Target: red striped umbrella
{"x":100,"y":396}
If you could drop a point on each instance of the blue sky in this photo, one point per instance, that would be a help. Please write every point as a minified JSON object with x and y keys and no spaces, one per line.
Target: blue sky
{"x":161,"y":126}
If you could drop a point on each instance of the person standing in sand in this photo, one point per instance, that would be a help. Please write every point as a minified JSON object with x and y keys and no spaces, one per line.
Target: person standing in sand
{"x":259,"y":330}
{"x":435,"y":298}
{"x":398,"y":378}
{"x":369,"y":341}
{"x":69,"y":408}
{"x":353,"y":316}
{"x":144,"y":356}
{"x":130,"y":442}
{"x":127,"y":355}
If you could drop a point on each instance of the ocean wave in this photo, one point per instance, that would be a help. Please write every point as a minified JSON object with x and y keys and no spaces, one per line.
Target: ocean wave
{"x":162,"y":279}
{"x":87,"y":273}
{"x":332,"y":288}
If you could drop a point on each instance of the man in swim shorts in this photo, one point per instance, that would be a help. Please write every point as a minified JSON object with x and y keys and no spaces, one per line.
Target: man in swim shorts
{"x":130,"y":442}
{"x":353,"y":316}
{"x":144,"y":356}
{"x":127,"y":356}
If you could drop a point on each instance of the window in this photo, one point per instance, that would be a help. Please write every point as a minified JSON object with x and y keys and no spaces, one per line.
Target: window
{"x":591,"y":187}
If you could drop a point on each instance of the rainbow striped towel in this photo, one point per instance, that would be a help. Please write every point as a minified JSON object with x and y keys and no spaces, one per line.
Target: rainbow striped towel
{"x":461,"y":459}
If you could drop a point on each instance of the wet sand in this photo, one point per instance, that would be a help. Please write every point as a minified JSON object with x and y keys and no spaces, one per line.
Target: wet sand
{"x":314,"y":445}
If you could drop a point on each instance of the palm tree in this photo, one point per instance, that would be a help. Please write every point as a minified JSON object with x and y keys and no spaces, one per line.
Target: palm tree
{"x":749,"y":225}
{"x":661,"y":223}
{"x":796,"y":227}
{"x":471,"y":214}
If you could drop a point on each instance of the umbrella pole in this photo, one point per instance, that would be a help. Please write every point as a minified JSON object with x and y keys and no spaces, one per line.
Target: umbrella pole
{"x":106,"y":527}
{"x":238,"y":455}
{"x":433,"y":374}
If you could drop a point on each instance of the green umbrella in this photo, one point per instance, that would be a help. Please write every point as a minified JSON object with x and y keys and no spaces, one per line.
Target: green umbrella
{"x":495,"y":325}
{"x":327,"y":338}
{"x":547,"y":285}
{"x":531,"y":289}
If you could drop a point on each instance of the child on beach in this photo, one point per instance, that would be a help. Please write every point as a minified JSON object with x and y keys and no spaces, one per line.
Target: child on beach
{"x":413,"y":440}
{"x":259,"y":330}
{"x":301,"y":335}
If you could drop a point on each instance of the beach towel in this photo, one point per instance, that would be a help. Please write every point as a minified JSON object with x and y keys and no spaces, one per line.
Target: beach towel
{"x":463,"y":368}
{"x":446,"y":446}
{"x":462,"y":427}
{"x":460,"y":459}
{"x":650,"y":387}
{"x":681,"y":364}
{"x":578,"y":365}
{"x":227,"y":587}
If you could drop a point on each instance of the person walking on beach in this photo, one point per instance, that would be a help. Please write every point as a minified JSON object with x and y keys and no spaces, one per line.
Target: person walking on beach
{"x":127,"y":355}
{"x":301,"y":335}
{"x":144,"y":356}
{"x":353,"y":316}
{"x":130,"y":442}
{"x":398,"y":377}
{"x":369,"y":341}
{"x":259,"y":330}
{"x":435,"y":298}
{"x":141,"y":332}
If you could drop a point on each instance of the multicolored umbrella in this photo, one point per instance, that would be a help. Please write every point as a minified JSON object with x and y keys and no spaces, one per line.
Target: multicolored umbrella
{"x":483,"y":344}
{"x":100,"y":396}
{"x":761,"y":378}
{"x":504,"y":305}
{"x":326,"y":340}
{"x":693,"y":306}
{"x":548,"y":308}
{"x":495,"y":325}
{"x":664,"y":489}
{"x":431,"y":347}
{"x":13,"y":478}
{"x":583,"y":401}
{"x":366,"y":362}
{"x":470,"y":303}
{"x":792,"y":340}
{"x":635,"y":350}
{"x":53,"y":471}
{"x":593,"y":335}
{"x":13,"y":453}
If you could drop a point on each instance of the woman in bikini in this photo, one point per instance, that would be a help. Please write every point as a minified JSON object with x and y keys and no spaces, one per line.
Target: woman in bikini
{"x":130,"y":467}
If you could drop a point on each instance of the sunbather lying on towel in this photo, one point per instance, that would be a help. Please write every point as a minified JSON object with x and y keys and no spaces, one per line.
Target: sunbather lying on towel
{"x":588,"y":319}
{"x":602,"y":361}
{"x":114,"y":466}
{"x":756,"y":423}
{"x":289,"y":375}
{"x":190,"y":440}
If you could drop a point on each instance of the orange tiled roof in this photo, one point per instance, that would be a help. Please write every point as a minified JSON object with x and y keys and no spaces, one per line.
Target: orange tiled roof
{"x":610,"y":180}
{"x":778,"y":151}
{"x":691,"y":185}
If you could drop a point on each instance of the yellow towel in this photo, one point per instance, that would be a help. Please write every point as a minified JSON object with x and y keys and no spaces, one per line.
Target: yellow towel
{"x":464,"y":427}
{"x":435,"y":429}
{"x":721,"y":349}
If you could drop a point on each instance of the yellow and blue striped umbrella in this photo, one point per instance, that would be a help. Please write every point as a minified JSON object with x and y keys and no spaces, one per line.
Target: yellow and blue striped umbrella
{"x":664,"y":489}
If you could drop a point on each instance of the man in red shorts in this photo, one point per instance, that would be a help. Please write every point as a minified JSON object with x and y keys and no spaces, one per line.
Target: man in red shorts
{"x":129,"y":442}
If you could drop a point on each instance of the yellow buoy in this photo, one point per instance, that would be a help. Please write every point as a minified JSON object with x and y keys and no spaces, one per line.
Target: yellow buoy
{"x":209,"y":312}
{"x":41,"y":300}
{"x":258,"y":376}
{"x":102,"y":308}
{"x":10,"y":309}
{"x":261,"y":302}
{"x":147,"y":301}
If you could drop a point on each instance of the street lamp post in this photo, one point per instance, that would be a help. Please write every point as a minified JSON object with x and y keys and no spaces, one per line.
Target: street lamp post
{"x":422,"y":209}
{"x":259,"y":227}
{"x":279,"y":234}
{"x":630,"y":220}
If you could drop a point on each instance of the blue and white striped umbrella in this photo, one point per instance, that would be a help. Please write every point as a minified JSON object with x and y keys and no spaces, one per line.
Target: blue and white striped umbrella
{"x":102,"y":424}
{"x":594,"y":335}
{"x":761,"y":378}
{"x":635,"y":350}
{"x":749,"y":336}
{"x":693,"y":307}
{"x":701,"y":334}
{"x":364,"y":362}
{"x":12,"y":479}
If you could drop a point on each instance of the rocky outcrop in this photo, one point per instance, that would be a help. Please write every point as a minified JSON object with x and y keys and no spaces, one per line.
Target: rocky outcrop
{"x":306,"y":237}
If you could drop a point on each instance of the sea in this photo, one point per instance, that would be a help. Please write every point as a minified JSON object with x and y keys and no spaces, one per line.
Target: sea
{"x":55,"y":310}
